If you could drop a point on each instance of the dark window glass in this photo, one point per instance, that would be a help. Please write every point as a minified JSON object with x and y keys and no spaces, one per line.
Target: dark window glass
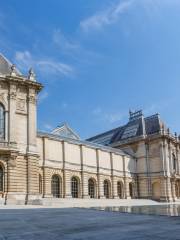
{"x":106,"y":189}
{"x":119,"y":189}
{"x":91,"y":188}
{"x":74,"y":187}
{"x":55,"y":186}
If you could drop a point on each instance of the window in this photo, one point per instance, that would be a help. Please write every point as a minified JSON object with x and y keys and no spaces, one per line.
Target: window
{"x":55,"y":186}
{"x":2,"y":122}
{"x":74,"y":187}
{"x":91,"y":188}
{"x":106,"y":189}
{"x":1,"y":179}
{"x":131,"y":189}
{"x":119,"y":189}
{"x":174,"y":161}
{"x":40,"y":184}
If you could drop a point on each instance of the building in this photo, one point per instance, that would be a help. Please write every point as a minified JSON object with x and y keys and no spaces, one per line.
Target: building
{"x":138,"y":160}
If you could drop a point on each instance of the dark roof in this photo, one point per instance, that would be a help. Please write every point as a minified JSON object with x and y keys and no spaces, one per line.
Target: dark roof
{"x":5,"y":66}
{"x":136,"y":127}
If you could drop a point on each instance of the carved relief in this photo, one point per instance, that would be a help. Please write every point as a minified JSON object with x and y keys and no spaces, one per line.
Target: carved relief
{"x":21,"y":105}
{"x":32,"y":99}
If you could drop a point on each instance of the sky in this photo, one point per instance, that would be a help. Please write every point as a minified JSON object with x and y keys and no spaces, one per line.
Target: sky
{"x":97,"y":59}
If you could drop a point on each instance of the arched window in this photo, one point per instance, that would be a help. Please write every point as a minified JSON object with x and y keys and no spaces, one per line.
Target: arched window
{"x":55,"y":186}
{"x":106,"y":188}
{"x":1,"y":179}
{"x":2,"y":122}
{"x":40,"y":184}
{"x":74,"y":187}
{"x":174,"y":161}
{"x":91,"y":188}
{"x":119,"y":189}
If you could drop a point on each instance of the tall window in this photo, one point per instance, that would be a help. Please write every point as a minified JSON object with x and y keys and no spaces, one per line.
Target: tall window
{"x":131,"y":189}
{"x":55,"y":186}
{"x":2,"y":122}
{"x":119,"y":189}
{"x":106,"y":188}
{"x":174,"y":161}
{"x":40,"y":184}
{"x":1,"y":178}
{"x":74,"y":187}
{"x":91,"y":188}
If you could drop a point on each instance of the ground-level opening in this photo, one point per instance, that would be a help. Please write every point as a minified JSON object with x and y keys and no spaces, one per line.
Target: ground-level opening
{"x":75,"y":189}
{"x":92,"y":188}
{"x":177,"y":188}
{"x":156,"y":191}
{"x":55,"y":186}
{"x":107,"y":188}
{"x":120,"y":189}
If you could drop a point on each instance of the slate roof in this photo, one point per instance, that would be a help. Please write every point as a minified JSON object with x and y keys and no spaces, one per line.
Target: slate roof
{"x":5,"y":66}
{"x":136,"y":127}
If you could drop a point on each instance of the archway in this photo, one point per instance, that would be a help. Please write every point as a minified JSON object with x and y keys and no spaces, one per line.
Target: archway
{"x":75,"y":187}
{"x":92,"y":188}
{"x":156,"y":190}
{"x":55,"y":186}
{"x":107,"y":189}
{"x":120,"y":189}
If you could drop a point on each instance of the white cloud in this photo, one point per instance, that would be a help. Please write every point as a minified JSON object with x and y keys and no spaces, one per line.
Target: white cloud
{"x":106,"y":17}
{"x":109,"y":117}
{"x":42,"y":96}
{"x":25,"y":60}
{"x":47,"y":126}
{"x":61,"y":41}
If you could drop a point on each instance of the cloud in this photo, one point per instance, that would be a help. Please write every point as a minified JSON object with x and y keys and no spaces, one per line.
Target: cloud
{"x":106,"y":17}
{"x":42,"y":96}
{"x":109,"y":117}
{"x":25,"y":60}
{"x":47,"y":126}
{"x":61,"y":41}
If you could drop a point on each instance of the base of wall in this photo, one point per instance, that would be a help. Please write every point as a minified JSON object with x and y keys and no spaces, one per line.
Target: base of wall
{"x":22,"y":199}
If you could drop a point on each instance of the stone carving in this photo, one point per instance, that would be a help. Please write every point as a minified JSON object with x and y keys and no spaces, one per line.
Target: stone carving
{"x":21,"y":104}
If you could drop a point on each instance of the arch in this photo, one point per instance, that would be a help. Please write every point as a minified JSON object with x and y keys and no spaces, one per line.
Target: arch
{"x":1,"y":179}
{"x":107,"y":188}
{"x":40,"y":184}
{"x":56,"y":186}
{"x":2,"y":122}
{"x":92,"y":188}
{"x":120,"y":189}
{"x":156,"y":190}
{"x":131,"y":189}
{"x":75,"y":187}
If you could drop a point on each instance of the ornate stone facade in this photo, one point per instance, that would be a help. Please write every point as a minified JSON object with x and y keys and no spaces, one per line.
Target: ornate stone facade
{"x":36,"y":165}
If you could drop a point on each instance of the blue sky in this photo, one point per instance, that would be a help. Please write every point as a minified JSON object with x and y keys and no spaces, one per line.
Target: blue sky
{"x":97,"y":59}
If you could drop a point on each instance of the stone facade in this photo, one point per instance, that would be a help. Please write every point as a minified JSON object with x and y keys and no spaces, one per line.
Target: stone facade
{"x":36,"y":165}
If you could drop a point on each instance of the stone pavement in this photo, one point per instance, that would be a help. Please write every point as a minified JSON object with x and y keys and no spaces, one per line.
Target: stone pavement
{"x":76,"y":224}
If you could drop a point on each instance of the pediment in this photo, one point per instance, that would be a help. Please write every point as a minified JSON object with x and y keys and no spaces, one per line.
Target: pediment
{"x":65,"y":131}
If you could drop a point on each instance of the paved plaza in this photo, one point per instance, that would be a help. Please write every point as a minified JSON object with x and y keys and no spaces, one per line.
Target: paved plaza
{"x":74,"y":223}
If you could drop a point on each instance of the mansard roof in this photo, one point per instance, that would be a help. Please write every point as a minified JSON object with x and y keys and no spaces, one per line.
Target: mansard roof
{"x":136,"y":127}
{"x":65,"y":130}
{"x":5,"y":66}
